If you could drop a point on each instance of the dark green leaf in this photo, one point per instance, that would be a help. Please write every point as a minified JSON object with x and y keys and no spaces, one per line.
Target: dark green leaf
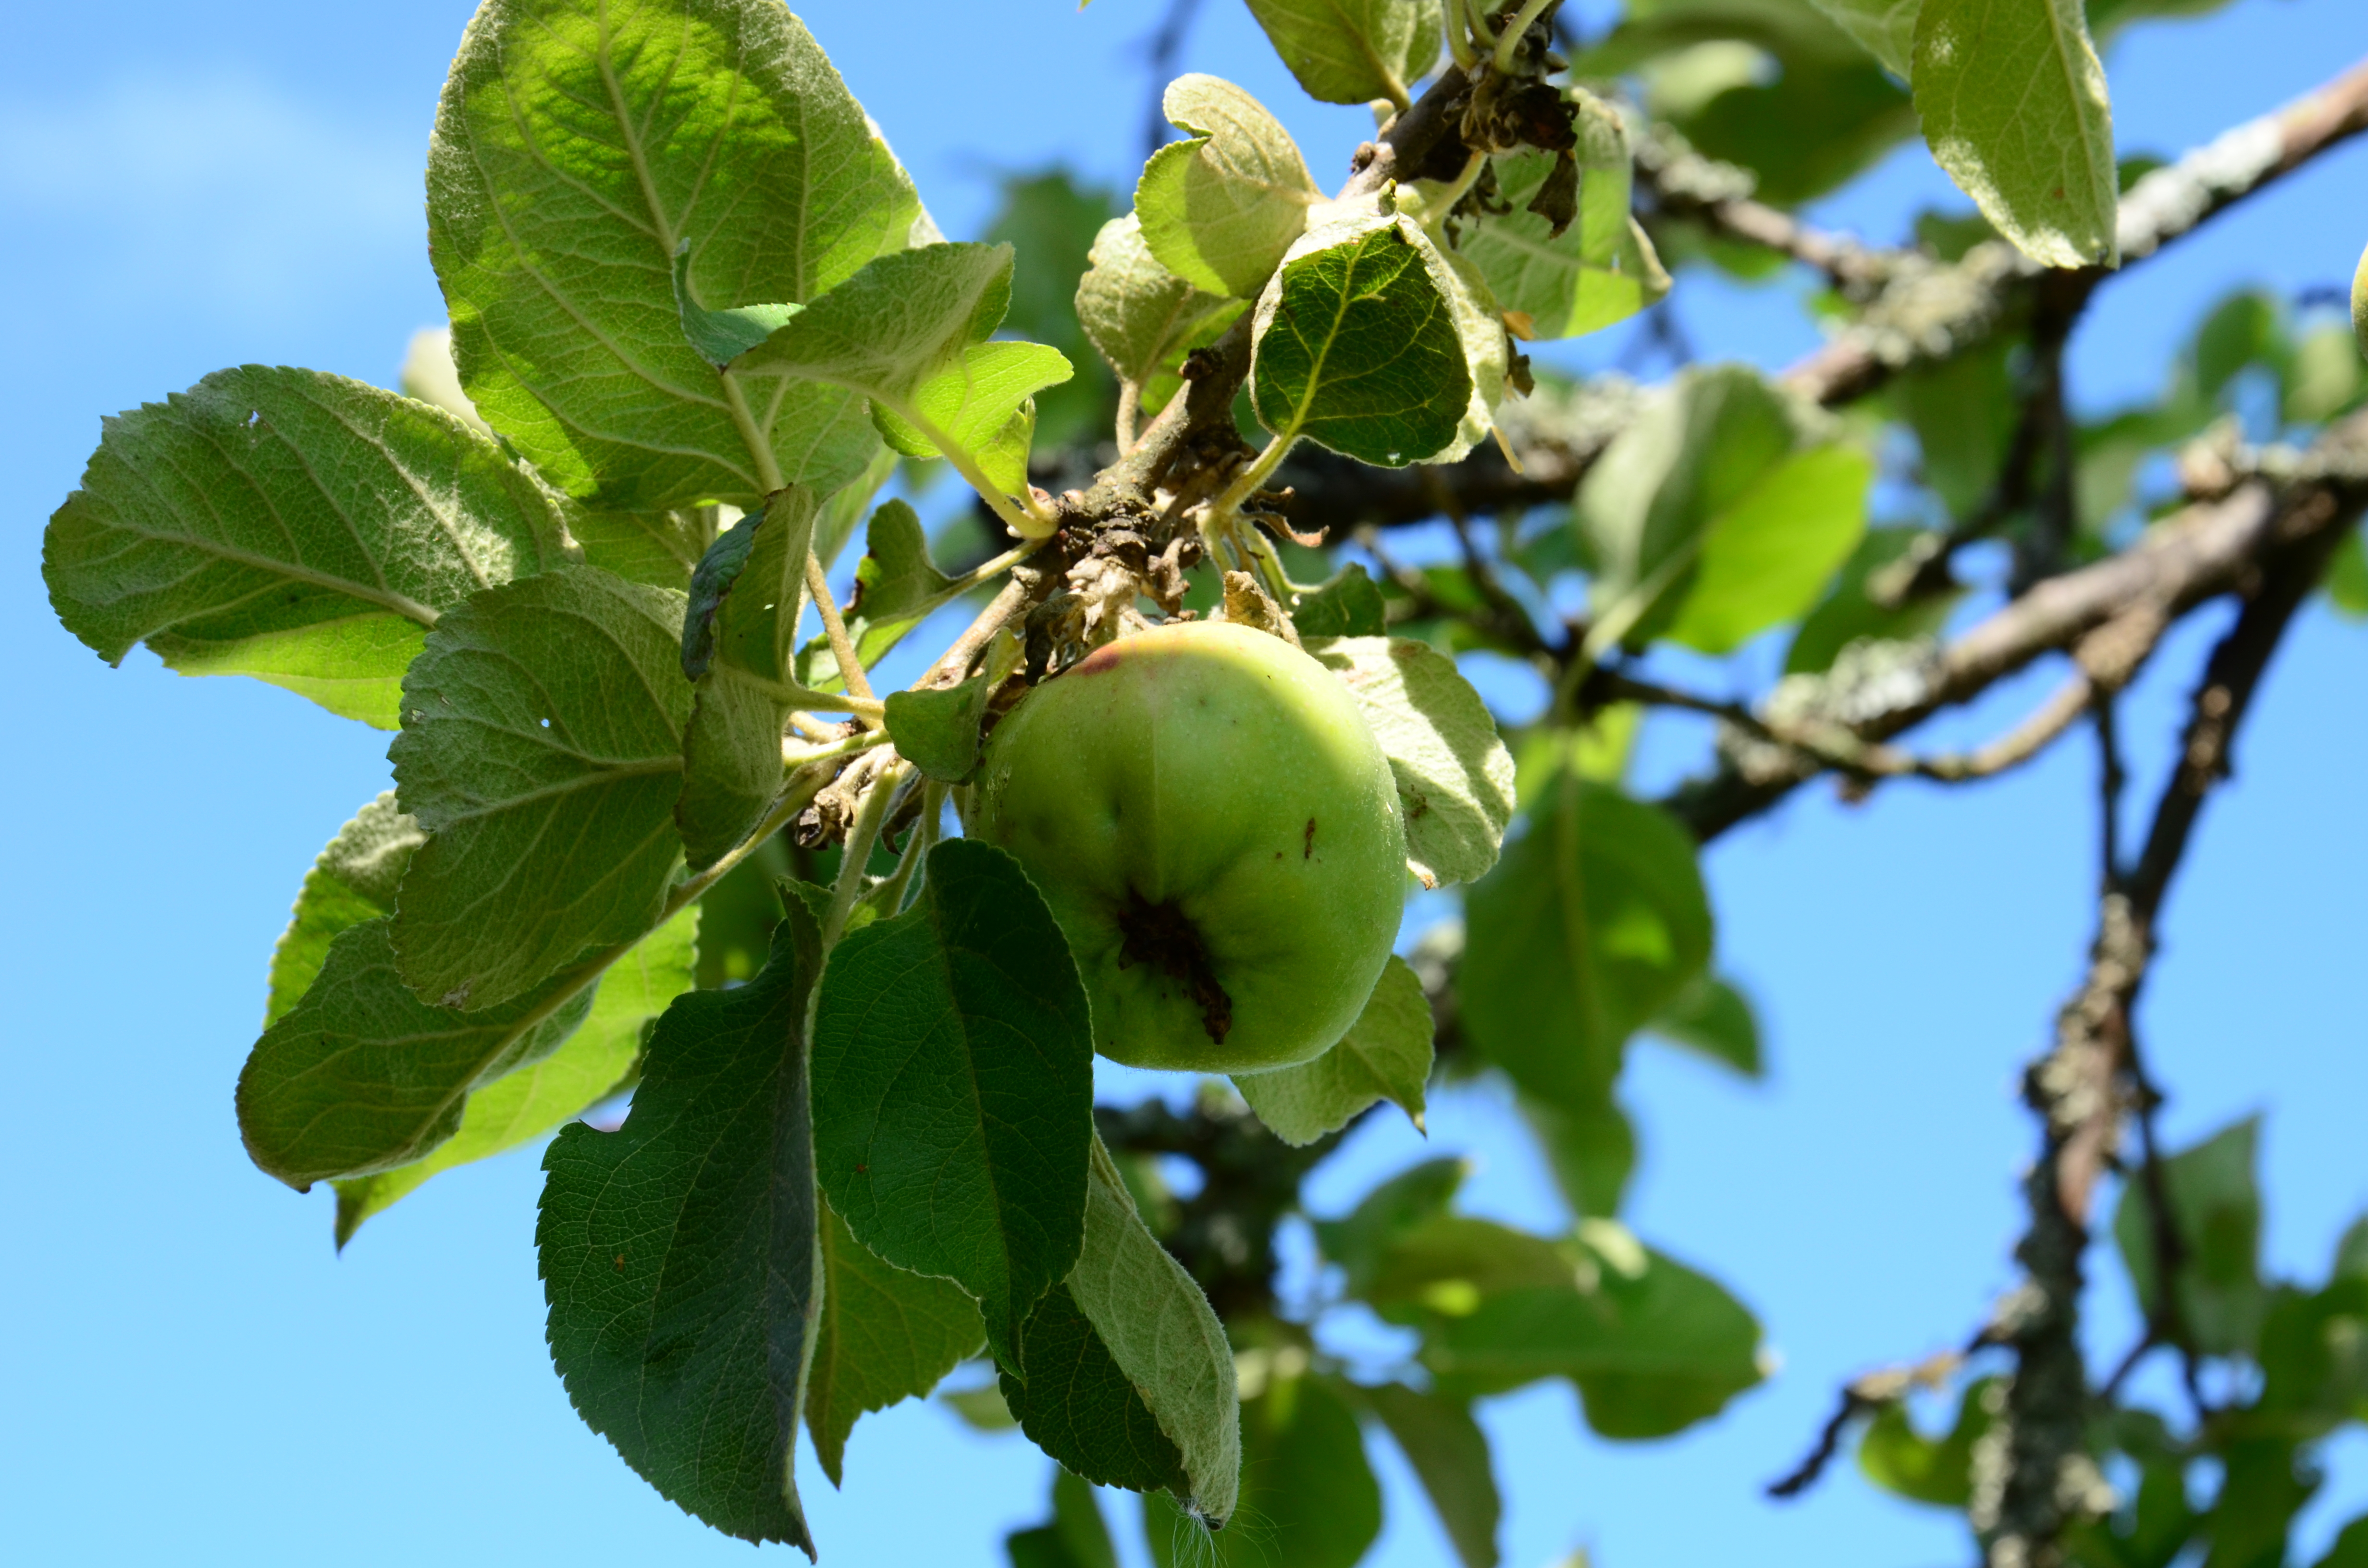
{"x":2218,"y":1214}
{"x":679,"y":1253}
{"x":542,"y":749}
{"x":353,"y":881}
{"x":1712,"y":1018}
{"x":1347,"y":606}
{"x":578,"y":148}
{"x":295,"y":527}
{"x":598,"y":1060}
{"x":737,"y":642}
{"x":1308,"y":1495}
{"x":1357,"y":349}
{"x":1130,"y":1377}
{"x":1450,"y":1455}
{"x":937,"y":731}
{"x":1593,"y":922}
{"x":1077,"y":1536}
{"x":953,"y":1088}
{"x":1385,"y":1055}
{"x":2266,"y":1484}
{"x":361,"y":1075}
{"x":884,"y":1335}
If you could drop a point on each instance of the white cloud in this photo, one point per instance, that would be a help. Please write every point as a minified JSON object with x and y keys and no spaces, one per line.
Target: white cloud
{"x":214,"y":193}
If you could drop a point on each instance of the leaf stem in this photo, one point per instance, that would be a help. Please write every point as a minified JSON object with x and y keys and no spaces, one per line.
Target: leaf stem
{"x":888,"y":896}
{"x":861,"y":835}
{"x":1245,"y":484}
{"x":1459,"y":43}
{"x":842,"y":647}
{"x":1509,"y":40}
{"x":1481,"y":36}
{"x":850,"y":747}
{"x":1023,"y":516}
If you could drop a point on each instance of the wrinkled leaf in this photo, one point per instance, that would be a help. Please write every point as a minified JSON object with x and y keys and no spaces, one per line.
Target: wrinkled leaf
{"x":295,"y":527}
{"x":578,"y":148}
{"x":937,"y":731}
{"x":1135,"y":310}
{"x":542,"y":749}
{"x":596,"y":1062}
{"x":361,"y":1075}
{"x":1599,"y":270}
{"x":1219,"y":208}
{"x":1454,"y":775}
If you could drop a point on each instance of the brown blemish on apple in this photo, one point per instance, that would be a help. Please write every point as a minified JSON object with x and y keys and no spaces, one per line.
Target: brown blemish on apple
{"x":1159,"y":934}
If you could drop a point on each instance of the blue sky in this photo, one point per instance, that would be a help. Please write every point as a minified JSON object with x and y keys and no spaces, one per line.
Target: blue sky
{"x":193,"y":1375}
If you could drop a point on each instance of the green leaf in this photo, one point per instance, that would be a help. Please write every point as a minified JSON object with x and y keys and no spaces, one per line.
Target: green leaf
{"x":1718,"y":514}
{"x":1449,"y":1456}
{"x":1349,"y":51}
{"x":2014,"y":103}
{"x":542,"y":749}
{"x":1593,"y":922}
{"x":577,"y":149}
{"x":1652,"y":1346}
{"x":1136,"y":311}
{"x":2266,"y":1484}
{"x":1713,"y":1019}
{"x":909,"y":332}
{"x":1599,"y":270}
{"x":1358,"y":1241}
{"x":1385,"y":1055}
{"x":896,"y":586}
{"x":953,"y":1088}
{"x":1348,"y":605}
{"x":295,"y":527}
{"x":937,"y":731}
{"x":984,"y":406}
{"x":352,"y":880}
{"x":1308,"y":1496}
{"x":1902,"y":1461}
{"x":679,"y":1253}
{"x":1847,"y":614}
{"x":1219,"y":208}
{"x":738,"y":637}
{"x":1963,"y":410}
{"x":657,"y":548}
{"x":2217,"y":1210}
{"x":1357,"y":349}
{"x":1454,"y":775}
{"x":1130,"y":1377}
{"x":361,"y":1075}
{"x":721,"y":336}
{"x":1450,"y":1263}
{"x":597,"y":1060}
{"x":1884,"y":28}
{"x":884,"y":1335}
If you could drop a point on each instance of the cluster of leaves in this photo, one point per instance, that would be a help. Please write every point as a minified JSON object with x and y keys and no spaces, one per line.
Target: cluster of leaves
{"x":700,"y":318}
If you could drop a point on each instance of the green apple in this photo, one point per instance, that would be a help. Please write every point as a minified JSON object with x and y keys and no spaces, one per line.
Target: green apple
{"x":1219,"y":836}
